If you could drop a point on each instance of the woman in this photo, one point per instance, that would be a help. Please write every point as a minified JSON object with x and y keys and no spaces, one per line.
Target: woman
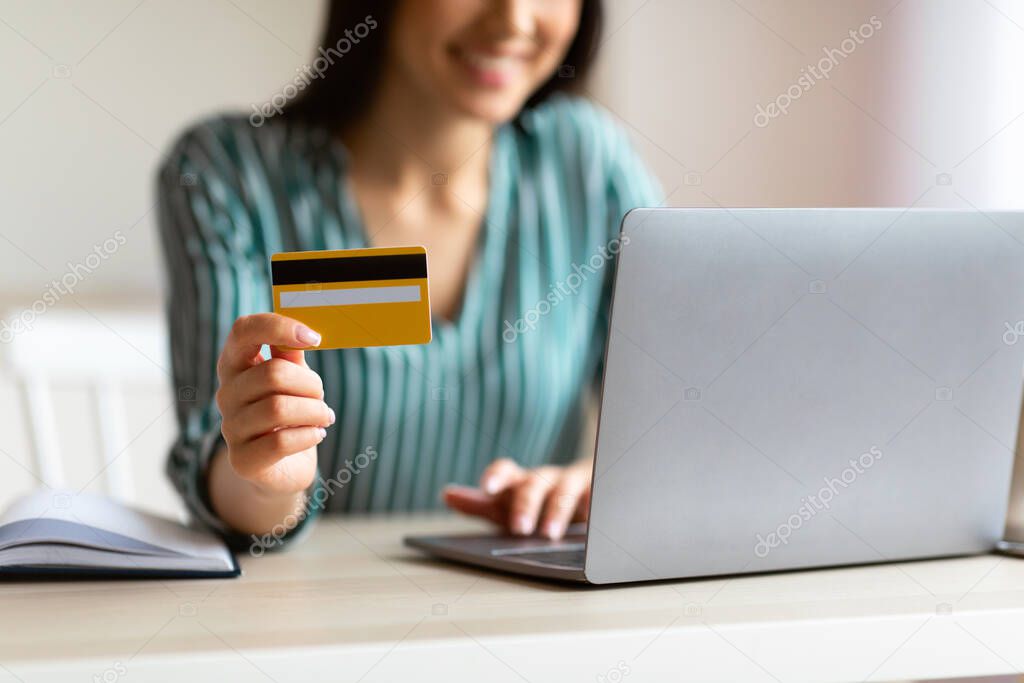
{"x":440,"y":124}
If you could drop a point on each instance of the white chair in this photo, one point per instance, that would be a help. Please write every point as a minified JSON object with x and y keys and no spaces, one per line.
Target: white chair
{"x":101,"y":348}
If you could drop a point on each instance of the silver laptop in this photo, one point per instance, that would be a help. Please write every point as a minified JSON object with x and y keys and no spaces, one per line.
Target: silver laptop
{"x":791,"y":388}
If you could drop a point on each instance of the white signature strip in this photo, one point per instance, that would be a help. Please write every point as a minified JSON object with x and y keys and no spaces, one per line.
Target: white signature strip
{"x":349,"y":297}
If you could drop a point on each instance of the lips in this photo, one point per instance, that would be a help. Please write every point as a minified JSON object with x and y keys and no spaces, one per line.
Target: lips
{"x":491,"y":68}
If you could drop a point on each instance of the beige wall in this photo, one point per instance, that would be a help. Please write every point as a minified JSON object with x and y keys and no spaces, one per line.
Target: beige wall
{"x":93,"y":92}
{"x":934,"y":83}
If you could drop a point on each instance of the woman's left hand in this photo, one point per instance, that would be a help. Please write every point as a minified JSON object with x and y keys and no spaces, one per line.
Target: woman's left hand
{"x":546,"y":499}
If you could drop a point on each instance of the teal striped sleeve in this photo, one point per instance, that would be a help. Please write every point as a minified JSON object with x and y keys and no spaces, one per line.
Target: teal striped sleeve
{"x":628,"y":185}
{"x":217,"y":271}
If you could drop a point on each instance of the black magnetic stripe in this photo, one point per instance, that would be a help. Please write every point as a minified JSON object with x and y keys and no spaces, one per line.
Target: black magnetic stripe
{"x":349,"y":269}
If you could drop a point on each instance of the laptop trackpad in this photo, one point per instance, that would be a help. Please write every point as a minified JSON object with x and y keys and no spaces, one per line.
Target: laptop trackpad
{"x":565,"y":545}
{"x":573,"y":541}
{"x":567,"y":553}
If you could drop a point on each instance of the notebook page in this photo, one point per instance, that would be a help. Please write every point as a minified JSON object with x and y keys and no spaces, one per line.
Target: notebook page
{"x":106,"y":515}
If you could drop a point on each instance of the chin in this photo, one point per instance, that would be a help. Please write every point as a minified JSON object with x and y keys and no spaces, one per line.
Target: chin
{"x":492,"y":108}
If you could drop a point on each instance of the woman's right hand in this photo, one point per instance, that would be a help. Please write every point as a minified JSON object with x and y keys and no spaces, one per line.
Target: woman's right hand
{"x":273,"y":410}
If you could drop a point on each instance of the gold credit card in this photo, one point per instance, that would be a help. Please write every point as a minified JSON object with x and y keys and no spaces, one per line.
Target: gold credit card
{"x":355,"y":297}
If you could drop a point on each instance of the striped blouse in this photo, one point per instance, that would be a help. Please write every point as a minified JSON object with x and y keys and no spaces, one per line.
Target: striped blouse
{"x":506,"y":378}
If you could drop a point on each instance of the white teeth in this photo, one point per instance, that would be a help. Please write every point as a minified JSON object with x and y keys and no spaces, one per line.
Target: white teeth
{"x":488,"y":62}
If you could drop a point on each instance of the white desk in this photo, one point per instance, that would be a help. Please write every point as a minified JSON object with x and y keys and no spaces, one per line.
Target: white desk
{"x":351,"y":603}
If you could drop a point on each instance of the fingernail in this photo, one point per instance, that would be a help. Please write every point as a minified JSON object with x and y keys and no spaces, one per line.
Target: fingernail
{"x":323,"y":433}
{"x":331,"y":412}
{"x":307,"y":336}
{"x":522,"y":525}
{"x":491,"y":486}
{"x":554,"y":530}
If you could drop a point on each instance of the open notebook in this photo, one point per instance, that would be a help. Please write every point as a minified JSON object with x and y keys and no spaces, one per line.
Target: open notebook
{"x":62,"y":532}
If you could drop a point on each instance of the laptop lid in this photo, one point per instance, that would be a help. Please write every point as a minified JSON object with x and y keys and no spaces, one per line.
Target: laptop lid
{"x":811,"y":387}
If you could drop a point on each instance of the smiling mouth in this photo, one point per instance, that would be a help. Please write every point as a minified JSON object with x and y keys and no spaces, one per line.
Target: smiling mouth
{"x":490,"y":69}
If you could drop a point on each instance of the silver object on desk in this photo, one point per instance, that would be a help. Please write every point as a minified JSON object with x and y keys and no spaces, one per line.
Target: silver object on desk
{"x":795,"y":388}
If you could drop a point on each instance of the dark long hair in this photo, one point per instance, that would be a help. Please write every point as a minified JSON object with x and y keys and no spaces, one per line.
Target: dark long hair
{"x":343,"y":91}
